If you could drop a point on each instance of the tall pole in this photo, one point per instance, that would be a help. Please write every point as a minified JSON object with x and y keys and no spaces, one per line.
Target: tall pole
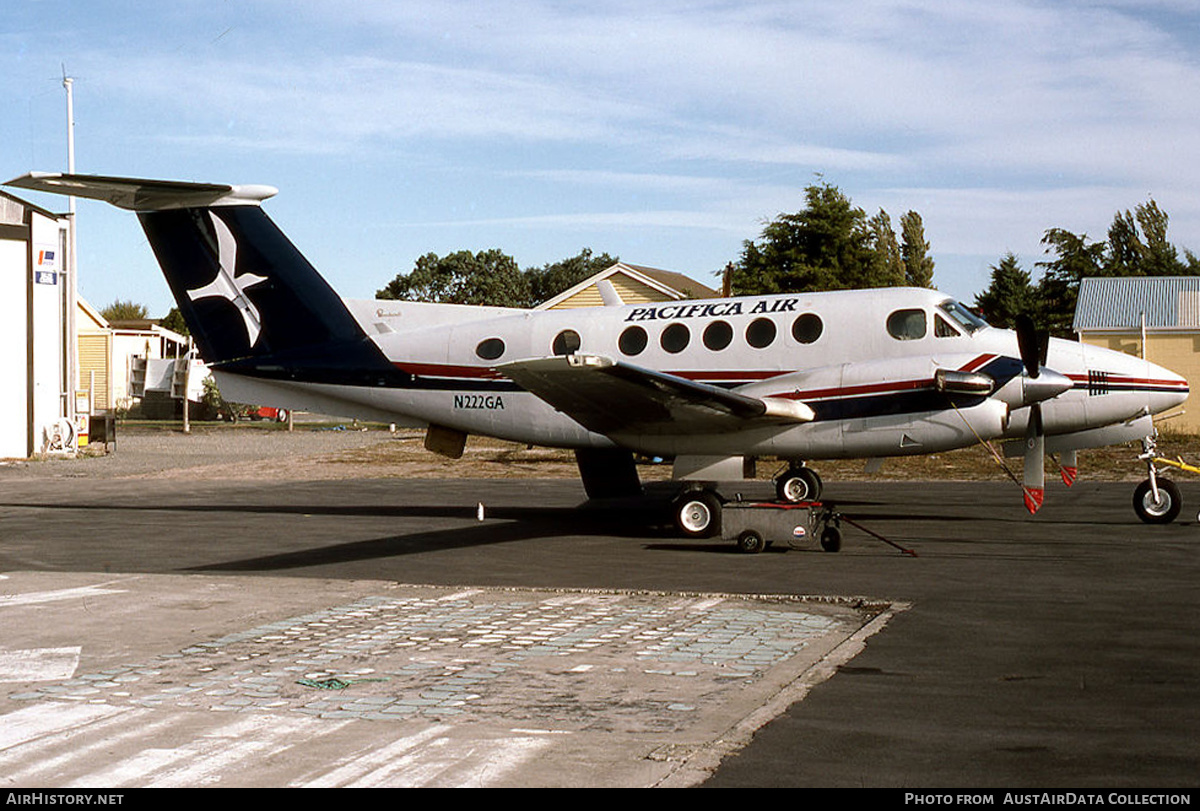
{"x":71,"y":289}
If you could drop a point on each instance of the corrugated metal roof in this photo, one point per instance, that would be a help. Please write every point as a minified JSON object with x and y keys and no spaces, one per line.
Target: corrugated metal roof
{"x":1169,"y":302}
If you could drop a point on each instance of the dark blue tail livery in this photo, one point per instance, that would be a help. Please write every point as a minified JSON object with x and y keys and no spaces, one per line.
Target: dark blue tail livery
{"x":254,"y":303}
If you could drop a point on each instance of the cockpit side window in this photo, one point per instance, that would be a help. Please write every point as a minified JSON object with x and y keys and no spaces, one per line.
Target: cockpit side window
{"x":960,"y":315}
{"x":942,"y":328}
{"x":907,"y":325}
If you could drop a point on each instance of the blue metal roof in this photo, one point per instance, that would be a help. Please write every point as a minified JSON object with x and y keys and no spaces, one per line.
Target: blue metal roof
{"x":1168,"y":302}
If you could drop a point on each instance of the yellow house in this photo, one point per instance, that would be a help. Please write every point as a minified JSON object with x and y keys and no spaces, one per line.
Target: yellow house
{"x":631,"y":284}
{"x":95,"y":347}
{"x":1154,"y":317}
{"x":107,"y":351}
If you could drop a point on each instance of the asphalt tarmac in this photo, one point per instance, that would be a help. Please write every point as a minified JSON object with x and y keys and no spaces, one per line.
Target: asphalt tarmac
{"x":1059,"y":650}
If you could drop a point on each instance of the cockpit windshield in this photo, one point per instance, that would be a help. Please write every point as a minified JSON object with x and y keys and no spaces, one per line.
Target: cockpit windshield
{"x":962,"y":316}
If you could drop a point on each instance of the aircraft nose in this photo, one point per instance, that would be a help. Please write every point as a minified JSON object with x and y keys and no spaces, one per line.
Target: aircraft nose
{"x":1167,"y":388}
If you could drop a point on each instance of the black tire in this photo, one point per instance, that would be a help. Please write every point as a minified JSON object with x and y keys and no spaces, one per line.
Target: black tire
{"x":698,"y":514}
{"x":750,"y":542}
{"x":798,"y":484}
{"x":831,"y":539}
{"x":1165,"y":510}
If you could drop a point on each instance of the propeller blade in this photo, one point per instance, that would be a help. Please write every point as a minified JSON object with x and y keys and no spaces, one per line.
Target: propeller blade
{"x":1027,"y":344}
{"x":1069,"y":467}
{"x":1035,"y":461}
{"x":1034,"y":344}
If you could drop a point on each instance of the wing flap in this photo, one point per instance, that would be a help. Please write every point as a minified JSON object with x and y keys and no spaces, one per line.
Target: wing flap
{"x":611,"y":397}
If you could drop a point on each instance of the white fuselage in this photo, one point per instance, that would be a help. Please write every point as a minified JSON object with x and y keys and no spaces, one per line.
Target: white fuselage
{"x":864,"y":361}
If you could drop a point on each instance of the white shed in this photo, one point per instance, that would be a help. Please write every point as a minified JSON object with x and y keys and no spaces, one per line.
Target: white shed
{"x":37,"y":346}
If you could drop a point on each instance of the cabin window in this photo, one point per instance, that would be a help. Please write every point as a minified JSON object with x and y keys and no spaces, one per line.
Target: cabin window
{"x":632,"y":341}
{"x":761,"y":333}
{"x":675,"y":338}
{"x":807,"y":328}
{"x":566,"y":342}
{"x":718,"y":335}
{"x":906,"y":325}
{"x":490,"y":348}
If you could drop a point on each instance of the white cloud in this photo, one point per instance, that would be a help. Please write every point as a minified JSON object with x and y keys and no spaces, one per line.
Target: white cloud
{"x":994,"y":120}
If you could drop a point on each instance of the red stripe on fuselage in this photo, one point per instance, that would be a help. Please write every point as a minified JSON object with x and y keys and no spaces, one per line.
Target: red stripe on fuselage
{"x":1141,"y":382}
{"x":446,"y":370}
{"x":979,"y":362}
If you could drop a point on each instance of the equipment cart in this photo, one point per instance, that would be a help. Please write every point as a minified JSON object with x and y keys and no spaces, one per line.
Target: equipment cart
{"x":753,"y":525}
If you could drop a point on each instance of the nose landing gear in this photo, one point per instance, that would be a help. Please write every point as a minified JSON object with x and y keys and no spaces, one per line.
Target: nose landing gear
{"x":1157,"y":499}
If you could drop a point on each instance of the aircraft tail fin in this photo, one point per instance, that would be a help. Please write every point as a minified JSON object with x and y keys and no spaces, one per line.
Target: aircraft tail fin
{"x":253,"y":302}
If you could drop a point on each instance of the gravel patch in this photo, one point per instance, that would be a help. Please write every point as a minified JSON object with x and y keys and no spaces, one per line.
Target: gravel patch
{"x":205,"y":452}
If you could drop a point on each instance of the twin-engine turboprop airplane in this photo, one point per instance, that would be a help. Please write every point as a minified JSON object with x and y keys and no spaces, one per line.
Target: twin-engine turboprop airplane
{"x":711,"y":384}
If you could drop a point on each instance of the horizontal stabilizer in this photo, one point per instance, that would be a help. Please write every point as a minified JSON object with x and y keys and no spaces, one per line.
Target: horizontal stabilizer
{"x":137,"y":194}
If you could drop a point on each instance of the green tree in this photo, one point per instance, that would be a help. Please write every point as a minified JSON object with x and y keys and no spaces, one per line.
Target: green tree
{"x":888,"y":255}
{"x":551,"y":279}
{"x":1160,"y":257}
{"x":1010,"y":294}
{"x":124,"y":311}
{"x":1058,"y":289}
{"x":173,"y":321}
{"x":918,"y":264}
{"x":485,"y":278}
{"x":829,"y":245}
{"x":1125,"y":248}
{"x":1137,"y":245}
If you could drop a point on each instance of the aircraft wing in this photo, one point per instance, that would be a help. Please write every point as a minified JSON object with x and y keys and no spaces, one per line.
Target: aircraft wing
{"x":610,"y":397}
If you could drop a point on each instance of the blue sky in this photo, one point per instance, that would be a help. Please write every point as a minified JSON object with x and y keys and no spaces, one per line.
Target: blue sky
{"x":666,"y":133}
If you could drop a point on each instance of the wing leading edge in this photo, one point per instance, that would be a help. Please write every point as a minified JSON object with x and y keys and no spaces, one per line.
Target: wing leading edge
{"x":610,"y":397}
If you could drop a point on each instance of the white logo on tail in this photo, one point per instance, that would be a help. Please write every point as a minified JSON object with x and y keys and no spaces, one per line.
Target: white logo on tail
{"x":229,"y":287}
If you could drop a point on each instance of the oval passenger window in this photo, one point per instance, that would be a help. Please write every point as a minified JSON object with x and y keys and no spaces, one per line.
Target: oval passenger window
{"x":761,"y":333}
{"x":632,"y":341}
{"x":490,"y":348}
{"x":566,"y":342}
{"x":718,"y":335}
{"x":807,"y":328}
{"x":675,"y":338}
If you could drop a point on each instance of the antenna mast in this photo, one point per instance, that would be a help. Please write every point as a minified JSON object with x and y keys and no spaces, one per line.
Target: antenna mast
{"x":71,"y":288}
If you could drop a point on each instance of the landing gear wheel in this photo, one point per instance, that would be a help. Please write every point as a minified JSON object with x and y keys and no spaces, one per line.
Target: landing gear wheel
{"x":1165,"y":509}
{"x":698,"y":514}
{"x":831,"y":539}
{"x":798,"y":484}
{"x":750,"y":542}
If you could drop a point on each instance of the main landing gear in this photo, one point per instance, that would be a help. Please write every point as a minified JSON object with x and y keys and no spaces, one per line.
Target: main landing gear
{"x":798,"y":483}
{"x":697,"y":510}
{"x":697,"y":513}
